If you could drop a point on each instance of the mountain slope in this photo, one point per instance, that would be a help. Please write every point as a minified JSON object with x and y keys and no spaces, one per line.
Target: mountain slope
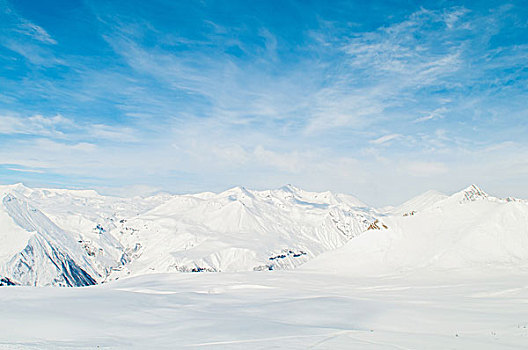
{"x":240,"y":230}
{"x":50,"y":256}
{"x":69,"y":237}
{"x":419,"y":203}
{"x":77,"y":238}
{"x":468,"y":230}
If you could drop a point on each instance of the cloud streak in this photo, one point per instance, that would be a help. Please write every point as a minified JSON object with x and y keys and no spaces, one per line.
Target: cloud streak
{"x":385,"y":139}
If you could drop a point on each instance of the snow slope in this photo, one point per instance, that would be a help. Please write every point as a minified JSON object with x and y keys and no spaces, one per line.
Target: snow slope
{"x":241,"y":230}
{"x":418,"y":203}
{"x":469,"y":230}
{"x":50,"y":255}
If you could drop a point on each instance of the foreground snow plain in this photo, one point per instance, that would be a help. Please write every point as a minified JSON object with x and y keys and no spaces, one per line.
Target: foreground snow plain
{"x":298,"y":309}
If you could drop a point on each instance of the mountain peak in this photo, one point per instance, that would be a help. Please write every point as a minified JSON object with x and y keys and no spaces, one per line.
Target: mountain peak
{"x":18,"y":187}
{"x":290,"y":188}
{"x":237,"y":191}
{"x":473,"y":193}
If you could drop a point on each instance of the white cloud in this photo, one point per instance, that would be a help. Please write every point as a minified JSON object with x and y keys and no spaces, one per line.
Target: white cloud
{"x":385,"y":139}
{"x":25,"y":37}
{"x":36,"y":32}
{"x":289,"y":162}
{"x":383,"y":68}
{"x":15,"y":23}
{"x":424,"y":169}
{"x":34,"y":125}
{"x":112,"y":133}
{"x":436,"y":114}
{"x":452,"y":18}
{"x":33,"y":53}
{"x":26,"y":170}
{"x":60,"y":127}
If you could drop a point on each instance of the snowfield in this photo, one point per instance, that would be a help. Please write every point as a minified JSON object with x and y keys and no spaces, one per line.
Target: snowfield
{"x":242,"y":269}
{"x":271,"y":310}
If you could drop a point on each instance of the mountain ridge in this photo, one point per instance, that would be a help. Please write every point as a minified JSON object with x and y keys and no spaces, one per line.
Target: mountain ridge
{"x":79,"y":237}
{"x":113,"y":237}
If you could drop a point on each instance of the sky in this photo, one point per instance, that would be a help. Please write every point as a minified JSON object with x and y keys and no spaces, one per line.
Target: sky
{"x":379,"y":99}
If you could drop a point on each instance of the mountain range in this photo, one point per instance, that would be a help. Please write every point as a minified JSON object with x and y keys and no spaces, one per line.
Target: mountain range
{"x":78,"y":237}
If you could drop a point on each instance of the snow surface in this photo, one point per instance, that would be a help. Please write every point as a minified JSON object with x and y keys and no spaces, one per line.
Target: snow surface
{"x":271,"y":310}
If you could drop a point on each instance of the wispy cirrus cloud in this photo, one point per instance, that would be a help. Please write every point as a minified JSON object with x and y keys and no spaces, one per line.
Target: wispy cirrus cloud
{"x":425,"y":169}
{"x":385,"y":139}
{"x":25,"y":37}
{"x":34,"y":31}
{"x":61,"y":128}
{"x":15,"y":23}
{"x":25,"y":170}
{"x":34,"y":125}
{"x":437,"y":113}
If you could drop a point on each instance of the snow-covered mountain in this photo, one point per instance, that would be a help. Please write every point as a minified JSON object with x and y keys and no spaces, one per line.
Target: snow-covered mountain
{"x":77,"y":238}
{"x":417,"y":204}
{"x":49,"y":255}
{"x":469,"y":230}
{"x":240,"y":230}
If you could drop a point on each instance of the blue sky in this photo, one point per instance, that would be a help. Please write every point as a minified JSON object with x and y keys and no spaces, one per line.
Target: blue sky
{"x":381,"y":99}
